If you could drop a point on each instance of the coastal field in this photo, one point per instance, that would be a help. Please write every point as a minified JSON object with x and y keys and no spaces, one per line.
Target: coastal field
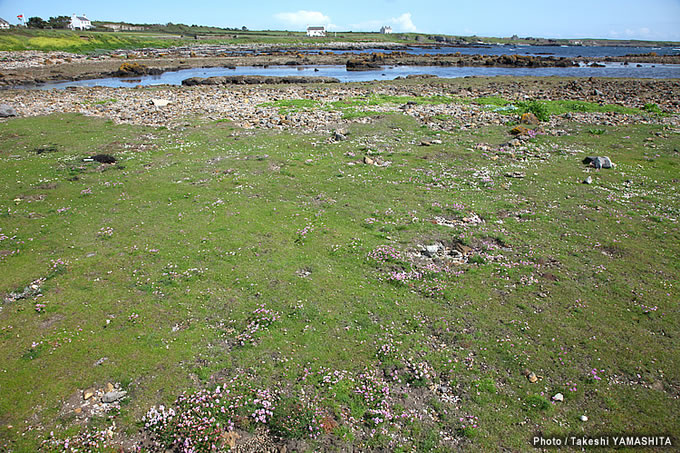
{"x":157,"y":36}
{"x":415,"y":265}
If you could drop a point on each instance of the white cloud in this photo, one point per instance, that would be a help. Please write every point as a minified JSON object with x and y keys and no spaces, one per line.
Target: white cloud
{"x":634,"y":33}
{"x":302,"y":18}
{"x":403,"y":23}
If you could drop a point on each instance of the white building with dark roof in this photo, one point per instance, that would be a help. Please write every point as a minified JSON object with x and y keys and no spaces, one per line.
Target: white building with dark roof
{"x":386,"y":30}
{"x":316,"y":31}
{"x":3,"y":24}
{"x":80,"y":23}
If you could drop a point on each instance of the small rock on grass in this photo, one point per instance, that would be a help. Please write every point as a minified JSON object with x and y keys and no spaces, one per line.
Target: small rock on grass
{"x":583,"y":418}
{"x":558,"y":397}
{"x":588,"y":180}
{"x":598,"y":162}
{"x":113,"y":396}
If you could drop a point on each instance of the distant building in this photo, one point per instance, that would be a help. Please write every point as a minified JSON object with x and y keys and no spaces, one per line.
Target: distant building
{"x":386,"y":30}
{"x":80,"y":23}
{"x":3,"y":24}
{"x":316,"y":31}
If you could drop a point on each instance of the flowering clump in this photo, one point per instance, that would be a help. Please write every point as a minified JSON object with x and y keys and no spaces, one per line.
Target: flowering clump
{"x":90,"y":440}
{"x":105,"y":232}
{"x":421,"y":372}
{"x":302,"y":233}
{"x":202,"y":421}
{"x":594,"y":374}
{"x":468,"y":425}
{"x":259,"y":319}
{"x":57,"y":267}
{"x":385,"y":253}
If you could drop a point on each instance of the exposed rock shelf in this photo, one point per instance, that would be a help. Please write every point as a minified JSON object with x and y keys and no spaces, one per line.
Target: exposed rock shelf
{"x":255,"y":80}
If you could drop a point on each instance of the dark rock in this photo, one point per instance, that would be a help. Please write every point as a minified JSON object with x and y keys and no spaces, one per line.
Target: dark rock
{"x":104,"y":159}
{"x":45,"y":149}
{"x":421,"y":76}
{"x":361,"y":65}
{"x":255,"y":80}
{"x":7,"y":111}
{"x":135,"y":69}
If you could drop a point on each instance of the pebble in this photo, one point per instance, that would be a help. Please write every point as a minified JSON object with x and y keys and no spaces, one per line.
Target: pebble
{"x":588,"y":180}
{"x":584,"y":418}
{"x":558,"y":397}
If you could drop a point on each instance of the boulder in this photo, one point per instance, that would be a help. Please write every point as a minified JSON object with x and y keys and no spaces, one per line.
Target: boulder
{"x":519,"y":130}
{"x":529,"y":118}
{"x":598,"y":162}
{"x":160,"y":102}
{"x":432,"y":250}
{"x":7,"y":111}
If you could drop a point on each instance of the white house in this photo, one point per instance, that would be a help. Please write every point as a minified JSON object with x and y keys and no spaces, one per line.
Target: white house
{"x":316,"y":31}
{"x":80,"y":23}
{"x":3,"y":24}
{"x":386,"y":30}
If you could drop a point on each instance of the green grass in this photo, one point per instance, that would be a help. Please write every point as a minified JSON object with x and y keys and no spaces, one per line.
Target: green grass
{"x":170,"y":252}
{"x":545,"y":109}
{"x":82,"y":42}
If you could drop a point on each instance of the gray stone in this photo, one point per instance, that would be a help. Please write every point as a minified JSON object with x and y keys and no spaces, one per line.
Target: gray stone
{"x":588,"y":180}
{"x":558,"y":397}
{"x":598,"y":162}
{"x":7,"y":110}
{"x":111,"y":397}
{"x":431,"y":250}
{"x":338,"y":137}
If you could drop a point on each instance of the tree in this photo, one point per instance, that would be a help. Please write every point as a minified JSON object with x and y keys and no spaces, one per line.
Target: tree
{"x":244,"y":28}
{"x":59,"y":22}
{"x":36,"y":22}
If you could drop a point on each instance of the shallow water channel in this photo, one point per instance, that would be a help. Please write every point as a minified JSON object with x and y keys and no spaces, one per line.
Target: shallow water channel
{"x":657,"y":71}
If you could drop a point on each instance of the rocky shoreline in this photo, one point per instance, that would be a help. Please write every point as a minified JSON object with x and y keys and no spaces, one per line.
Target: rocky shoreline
{"x":255,"y":106}
{"x":31,"y":67}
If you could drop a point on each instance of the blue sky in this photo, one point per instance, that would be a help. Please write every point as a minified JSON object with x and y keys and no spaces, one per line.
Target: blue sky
{"x":622,"y":19}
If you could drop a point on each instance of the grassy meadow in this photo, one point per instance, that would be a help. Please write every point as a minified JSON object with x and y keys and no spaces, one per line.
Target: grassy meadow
{"x":285,"y":276}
